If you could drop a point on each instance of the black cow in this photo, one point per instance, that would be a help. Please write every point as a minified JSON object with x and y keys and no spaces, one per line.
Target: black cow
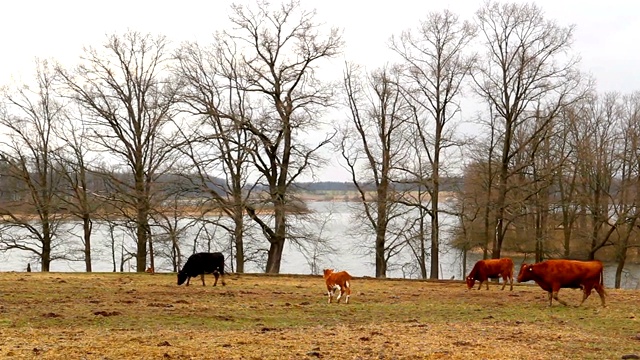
{"x":200,"y":264}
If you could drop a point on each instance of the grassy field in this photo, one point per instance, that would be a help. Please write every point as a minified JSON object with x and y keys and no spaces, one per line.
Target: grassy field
{"x":144,"y":316}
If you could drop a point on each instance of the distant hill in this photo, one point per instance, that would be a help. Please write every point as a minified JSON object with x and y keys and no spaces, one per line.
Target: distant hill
{"x":446,"y":184}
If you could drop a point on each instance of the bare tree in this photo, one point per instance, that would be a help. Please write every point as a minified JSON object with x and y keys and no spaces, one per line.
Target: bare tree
{"x":373,"y":146}
{"x":597,"y":142}
{"x":629,"y":198}
{"x":77,"y":196}
{"x":313,"y":243}
{"x":217,"y":147}
{"x":129,"y":100}
{"x":31,"y":217}
{"x":280,"y":52}
{"x":536,"y":164}
{"x":480,"y":177}
{"x":172,"y":222}
{"x":566,"y":176}
{"x":527,"y":63}
{"x":435,"y":68}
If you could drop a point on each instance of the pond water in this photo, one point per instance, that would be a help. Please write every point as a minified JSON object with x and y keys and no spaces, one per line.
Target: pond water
{"x":352,"y":253}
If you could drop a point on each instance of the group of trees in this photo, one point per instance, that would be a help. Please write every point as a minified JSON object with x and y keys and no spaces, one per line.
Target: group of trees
{"x":161,"y":129}
{"x":572,"y":190}
{"x":138,"y":133}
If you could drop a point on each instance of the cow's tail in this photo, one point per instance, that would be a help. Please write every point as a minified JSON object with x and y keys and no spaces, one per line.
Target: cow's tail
{"x":602,"y":276}
{"x":602,"y":281}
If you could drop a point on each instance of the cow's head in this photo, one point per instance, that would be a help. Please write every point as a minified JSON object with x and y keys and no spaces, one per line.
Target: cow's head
{"x":470,"y":282}
{"x":182,"y":277}
{"x":525,"y":273}
{"x":327,"y":272}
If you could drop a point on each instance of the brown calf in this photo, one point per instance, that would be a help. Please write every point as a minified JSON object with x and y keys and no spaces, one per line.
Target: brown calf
{"x":335,"y":281}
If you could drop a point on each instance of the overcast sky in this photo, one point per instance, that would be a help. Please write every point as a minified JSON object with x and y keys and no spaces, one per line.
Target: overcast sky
{"x":607,"y":33}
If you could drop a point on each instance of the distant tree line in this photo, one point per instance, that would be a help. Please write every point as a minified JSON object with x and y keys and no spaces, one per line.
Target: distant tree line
{"x":447,"y":184}
{"x":141,"y":133}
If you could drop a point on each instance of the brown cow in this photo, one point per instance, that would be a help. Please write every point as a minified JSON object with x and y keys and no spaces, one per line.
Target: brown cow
{"x":492,"y":268}
{"x":337,"y":281}
{"x":552,"y":275}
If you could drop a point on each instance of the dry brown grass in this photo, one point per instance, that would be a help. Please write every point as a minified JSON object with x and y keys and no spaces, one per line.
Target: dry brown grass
{"x":144,"y":316}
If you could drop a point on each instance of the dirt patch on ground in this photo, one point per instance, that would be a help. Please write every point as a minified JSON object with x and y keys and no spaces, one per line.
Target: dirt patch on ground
{"x":143,"y":316}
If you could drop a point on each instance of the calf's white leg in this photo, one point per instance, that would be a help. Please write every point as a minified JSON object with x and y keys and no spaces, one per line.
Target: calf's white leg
{"x":335,"y":289}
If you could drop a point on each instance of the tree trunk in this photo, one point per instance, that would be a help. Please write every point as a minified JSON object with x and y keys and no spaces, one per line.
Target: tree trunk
{"x":143,"y":230}
{"x":539,"y":235}
{"x":381,"y":263}
{"x":487,"y":230}
{"x":596,"y":224}
{"x":141,"y":234}
{"x":435,"y":230}
{"x":464,"y":261}
{"x":499,"y":233}
{"x":622,"y":257}
{"x":238,"y":233}
{"x":87,"y":226}
{"x":277,"y":240}
{"x":423,"y":250}
{"x":566,"y":231}
{"x":46,"y":255}
{"x":176,"y":253}
{"x":381,"y":230}
{"x":152,"y":262}
{"x":275,"y":255}
{"x":502,"y":190}
{"x":623,"y":250}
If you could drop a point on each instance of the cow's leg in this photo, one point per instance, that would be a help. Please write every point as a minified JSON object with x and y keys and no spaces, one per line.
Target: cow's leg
{"x":487,"y":283}
{"x":480,"y":285}
{"x":348,"y":288}
{"x":555,"y":296}
{"x":329,"y":293}
{"x":504,"y":281}
{"x":345,"y":291}
{"x":550,"y":297}
{"x":215,"y":275}
{"x":222,"y":278}
{"x":202,"y":277}
{"x":586,"y":292}
{"x":602,"y":293}
{"x":188,"y":278}
{"x":335,"y":289}
{"x":511,"y":282}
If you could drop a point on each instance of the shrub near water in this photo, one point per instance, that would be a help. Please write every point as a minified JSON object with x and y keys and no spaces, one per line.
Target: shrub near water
{"x":115,"y":316}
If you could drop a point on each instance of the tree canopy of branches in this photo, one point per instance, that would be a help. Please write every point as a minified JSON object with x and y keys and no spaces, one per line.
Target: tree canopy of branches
{"x":373,"y":146}
{"x":30,"y":115}
{"x":280,"y":51}
{"x":525,"y":77}
{"x":435,"y":69}
{"x":129,"y":101}
{"x":217,"y":146}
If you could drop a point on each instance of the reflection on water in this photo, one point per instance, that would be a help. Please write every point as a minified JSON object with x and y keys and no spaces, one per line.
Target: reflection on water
{"x":353,"y":253}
